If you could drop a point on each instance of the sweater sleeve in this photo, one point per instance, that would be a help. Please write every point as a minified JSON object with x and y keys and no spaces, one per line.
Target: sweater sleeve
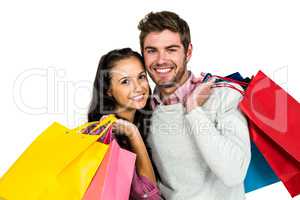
{"x":143,"y":188}
{"x":224,"y":142}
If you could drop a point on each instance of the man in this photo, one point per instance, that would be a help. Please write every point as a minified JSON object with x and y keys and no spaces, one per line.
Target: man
{"x":199,"y":138}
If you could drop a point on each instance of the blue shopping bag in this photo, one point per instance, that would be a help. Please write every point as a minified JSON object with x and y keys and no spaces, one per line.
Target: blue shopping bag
{"x":259,"y":173}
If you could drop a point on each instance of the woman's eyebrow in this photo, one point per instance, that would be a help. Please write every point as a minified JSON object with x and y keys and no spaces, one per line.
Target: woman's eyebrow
{"x":142,"y":72}
{"x":124,"y":77}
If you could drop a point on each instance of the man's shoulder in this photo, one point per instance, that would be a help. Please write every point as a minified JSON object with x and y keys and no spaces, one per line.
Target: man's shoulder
{"x":229,"y":89}
{"x":224,"y":97}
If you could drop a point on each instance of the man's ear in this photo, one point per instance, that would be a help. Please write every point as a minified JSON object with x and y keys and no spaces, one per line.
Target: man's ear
{"x":189,"y":52}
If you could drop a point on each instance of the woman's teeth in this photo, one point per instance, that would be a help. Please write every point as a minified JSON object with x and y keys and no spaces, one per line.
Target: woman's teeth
{"x":137,"y":98}
{"x":163,"y":70}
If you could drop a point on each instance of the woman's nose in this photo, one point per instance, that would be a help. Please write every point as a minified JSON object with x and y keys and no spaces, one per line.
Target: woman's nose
{"x":137,"y":86}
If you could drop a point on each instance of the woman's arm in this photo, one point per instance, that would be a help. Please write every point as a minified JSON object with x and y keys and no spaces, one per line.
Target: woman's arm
{"x":144,"y":181}
{"x":143,"y":162}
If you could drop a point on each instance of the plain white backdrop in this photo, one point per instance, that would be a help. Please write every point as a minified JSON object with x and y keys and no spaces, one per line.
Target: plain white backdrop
{"x":49,"y":51}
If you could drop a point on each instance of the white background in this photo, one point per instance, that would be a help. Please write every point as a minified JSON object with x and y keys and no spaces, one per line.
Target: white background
{"x":49,"y":51}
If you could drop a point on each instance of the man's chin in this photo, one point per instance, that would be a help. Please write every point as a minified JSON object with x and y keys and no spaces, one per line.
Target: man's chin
{"x":167,"y":91}
{"x":166,"y":85}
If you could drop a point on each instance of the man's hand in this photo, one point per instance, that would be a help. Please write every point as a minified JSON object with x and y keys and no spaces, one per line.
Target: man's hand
{"x":199,"y":95}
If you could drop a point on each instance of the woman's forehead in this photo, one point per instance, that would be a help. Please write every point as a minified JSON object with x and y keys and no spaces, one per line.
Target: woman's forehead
{"x":128,"y":67}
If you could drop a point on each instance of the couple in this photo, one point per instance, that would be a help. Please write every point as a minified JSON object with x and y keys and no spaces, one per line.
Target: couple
{"x":190,"y":138}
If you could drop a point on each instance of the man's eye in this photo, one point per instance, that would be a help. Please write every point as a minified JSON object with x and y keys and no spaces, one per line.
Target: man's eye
{"x":150,"y":51}
{"x":172,"y":50}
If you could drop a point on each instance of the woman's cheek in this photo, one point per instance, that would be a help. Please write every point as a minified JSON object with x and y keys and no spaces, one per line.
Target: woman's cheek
{"x":146,"y":87}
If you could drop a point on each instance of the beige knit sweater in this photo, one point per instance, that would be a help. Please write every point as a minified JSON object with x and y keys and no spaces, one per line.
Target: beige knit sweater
{"x":204,"y":154}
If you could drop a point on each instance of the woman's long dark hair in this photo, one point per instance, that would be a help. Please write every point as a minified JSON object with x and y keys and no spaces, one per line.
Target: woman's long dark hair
{"x":103,"y":104}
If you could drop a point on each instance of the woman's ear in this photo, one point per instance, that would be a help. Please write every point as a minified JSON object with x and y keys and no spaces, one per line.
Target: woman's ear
{"x":109,"y":93}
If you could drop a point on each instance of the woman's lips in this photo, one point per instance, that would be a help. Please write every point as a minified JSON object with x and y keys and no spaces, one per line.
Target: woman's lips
{"x":138,"y":97}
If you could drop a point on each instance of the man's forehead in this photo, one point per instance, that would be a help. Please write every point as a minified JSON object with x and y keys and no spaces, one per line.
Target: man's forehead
{"x":162,"y":39}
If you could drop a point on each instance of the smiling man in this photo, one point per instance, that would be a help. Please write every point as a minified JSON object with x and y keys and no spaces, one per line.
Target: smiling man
{"x":199,"y":138}
{"x":166,"y":68}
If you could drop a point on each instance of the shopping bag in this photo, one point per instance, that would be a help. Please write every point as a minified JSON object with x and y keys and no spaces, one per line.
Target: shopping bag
{"x":114,"y":176}
{"x":274,"y":127}
{"x":59,"y":164}
{"x":259,"y":173}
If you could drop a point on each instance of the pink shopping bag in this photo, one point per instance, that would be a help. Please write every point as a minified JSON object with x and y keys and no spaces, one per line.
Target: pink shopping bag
{"x":113,"y":178}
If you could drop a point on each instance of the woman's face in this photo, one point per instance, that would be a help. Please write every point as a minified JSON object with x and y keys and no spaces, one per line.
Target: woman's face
{"x":129,"y":85}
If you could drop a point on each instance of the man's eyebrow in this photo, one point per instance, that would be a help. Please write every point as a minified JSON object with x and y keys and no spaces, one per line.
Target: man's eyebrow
{"x":149,"y":47}
{"x":173,"y":46}
{"x":167,"y":47}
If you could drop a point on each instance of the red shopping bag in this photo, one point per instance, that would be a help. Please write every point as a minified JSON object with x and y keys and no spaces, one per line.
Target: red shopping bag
{"x":274,"y":125}
{"x":114,"y":176}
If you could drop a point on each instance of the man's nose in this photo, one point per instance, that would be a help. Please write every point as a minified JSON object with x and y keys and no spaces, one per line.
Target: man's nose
{"x":161,"y":58}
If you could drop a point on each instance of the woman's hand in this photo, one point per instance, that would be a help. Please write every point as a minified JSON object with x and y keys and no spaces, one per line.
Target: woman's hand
{"x":91,"y":128}
{"x":123,"y":127}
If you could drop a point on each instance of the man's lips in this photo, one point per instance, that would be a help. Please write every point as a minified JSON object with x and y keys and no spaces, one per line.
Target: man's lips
{"x":165,"y":70}
{"x":162,"y":70}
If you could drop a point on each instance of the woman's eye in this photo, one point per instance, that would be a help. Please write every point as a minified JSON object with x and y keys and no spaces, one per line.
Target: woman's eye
{"x":125,"y":82}
{"x":143,"y":76}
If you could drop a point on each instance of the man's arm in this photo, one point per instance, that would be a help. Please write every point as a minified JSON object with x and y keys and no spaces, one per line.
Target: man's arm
{"x":224,"y":143}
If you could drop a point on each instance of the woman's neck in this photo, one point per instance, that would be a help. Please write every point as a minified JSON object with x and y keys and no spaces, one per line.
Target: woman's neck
{"x":127,"y":114}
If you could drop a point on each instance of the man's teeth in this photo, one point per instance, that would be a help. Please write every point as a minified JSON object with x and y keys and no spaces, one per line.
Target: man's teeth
{"x":137,"y":97}
{"x":166,"y":70}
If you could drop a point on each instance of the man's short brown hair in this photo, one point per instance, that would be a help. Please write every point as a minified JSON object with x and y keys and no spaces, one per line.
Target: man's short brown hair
{"x":164,"y":20}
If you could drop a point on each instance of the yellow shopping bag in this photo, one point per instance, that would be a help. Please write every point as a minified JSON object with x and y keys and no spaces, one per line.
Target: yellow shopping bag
{"x":58,"y":165}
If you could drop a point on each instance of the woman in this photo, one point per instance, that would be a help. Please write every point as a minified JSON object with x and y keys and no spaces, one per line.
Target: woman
{"x":121,"y":88}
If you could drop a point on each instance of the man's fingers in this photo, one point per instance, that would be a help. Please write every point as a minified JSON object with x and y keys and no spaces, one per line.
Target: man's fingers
{"x":211,"y":81}
{"x":204,"y":88}
{"x":197,"y":80}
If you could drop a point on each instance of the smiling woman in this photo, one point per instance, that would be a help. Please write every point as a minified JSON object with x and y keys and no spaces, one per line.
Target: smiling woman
{"x":129,"y":86}
{"x":120,"y":77}
{"x":121,"y":88}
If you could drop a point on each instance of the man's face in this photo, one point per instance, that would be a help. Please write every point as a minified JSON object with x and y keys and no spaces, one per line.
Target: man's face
{"x":166,"y":60}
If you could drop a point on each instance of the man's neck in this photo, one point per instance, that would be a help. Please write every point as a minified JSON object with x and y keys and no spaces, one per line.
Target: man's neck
{"x":165,"y":92}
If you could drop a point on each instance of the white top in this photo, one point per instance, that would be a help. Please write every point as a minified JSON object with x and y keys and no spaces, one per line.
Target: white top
{"x":202,"y":155}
